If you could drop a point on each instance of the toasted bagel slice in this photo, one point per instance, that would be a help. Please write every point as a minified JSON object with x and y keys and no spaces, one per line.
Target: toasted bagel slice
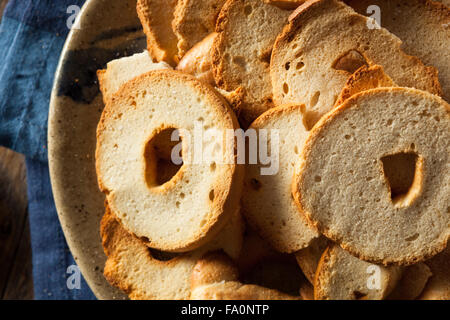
{"x":197,"y":61}
{"x":241,"y":52}
{"x":267,"y":201}
{"x":193,"y":21}
{"x":363,"y":79}
{"x":148,"y":275}
{"x":341,"y":276}
{"x":324,"y":43}
{"x":156,"y":18}
{"x":367,"y":210}
{"x":308,"y":258}
{"x":422,"y":25}
{"x":187,"y":208}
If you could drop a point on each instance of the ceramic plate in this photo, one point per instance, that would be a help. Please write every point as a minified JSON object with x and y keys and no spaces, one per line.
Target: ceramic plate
{"x":106,"y":30}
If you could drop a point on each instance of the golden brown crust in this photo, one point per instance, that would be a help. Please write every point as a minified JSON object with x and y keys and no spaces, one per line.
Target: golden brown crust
{"x":314,"y":80}
{"x":234,"y":290}
{"x":301,"y":10}
{"x":101,"y":74}
{"x":227,"y":190}
{"x":423,"y":27}
{"x":318,"y":293}
{"x":156,"y":17}
{"x":308,"y":258}
{"x":231,"y":65}
{"x":235,"y":99}
{"x":340,"y":275}
{"x":274,"y":112}
{"x":363,"y":79}
{"x":216,"y":57}
{"x":306,"y":10}
{"x":197,"y":61}
{"x":286,"y":4}
{"x":298,"y":181}
{"x":116,"y":240}
{"x":142,"y":274}
{"x":212,"y":267}
{"x":194,"y":20}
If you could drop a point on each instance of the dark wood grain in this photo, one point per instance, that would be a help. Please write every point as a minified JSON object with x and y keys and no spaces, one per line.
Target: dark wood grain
{"x":20,"y":281}
{"x":3,"y":4}
{"x":15,"y":253}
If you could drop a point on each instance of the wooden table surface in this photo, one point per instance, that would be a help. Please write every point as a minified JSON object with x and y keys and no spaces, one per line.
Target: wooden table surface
{"x":15,"y":249}
{"x":16,"y":280}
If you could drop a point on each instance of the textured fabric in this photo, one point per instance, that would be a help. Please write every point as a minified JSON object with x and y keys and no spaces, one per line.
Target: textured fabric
{"x":53,"y":265}
{"x":32,"y":34}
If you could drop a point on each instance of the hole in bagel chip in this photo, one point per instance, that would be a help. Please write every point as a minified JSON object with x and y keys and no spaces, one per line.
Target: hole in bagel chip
{"x":350,"y":61}
{"x":403,"y":172}
{"x":160,"y":165}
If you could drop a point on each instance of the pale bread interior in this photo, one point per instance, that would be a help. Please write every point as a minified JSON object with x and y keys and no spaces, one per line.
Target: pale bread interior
{"x":277,"y":218}
{"x":241,"y":53}
{"x":175,"y":27}
{"x":131,"y":266}
{"x":423,"y":26}
{"x":122,"y":70}
{"x":324,"y":43}
{"x":341,"y":276}
{"x":189,"y":209}
{"x":376,"y":127}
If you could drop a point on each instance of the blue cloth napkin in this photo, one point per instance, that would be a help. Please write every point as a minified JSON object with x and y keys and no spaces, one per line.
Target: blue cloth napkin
{"x":32,"y":34}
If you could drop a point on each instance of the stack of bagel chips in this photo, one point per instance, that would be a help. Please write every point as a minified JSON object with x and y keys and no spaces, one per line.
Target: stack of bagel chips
{"x":352,"y":112}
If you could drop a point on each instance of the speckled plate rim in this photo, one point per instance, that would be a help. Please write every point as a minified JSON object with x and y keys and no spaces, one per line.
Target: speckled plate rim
{"x":88,"y":251}
{"x":52,"y":159}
